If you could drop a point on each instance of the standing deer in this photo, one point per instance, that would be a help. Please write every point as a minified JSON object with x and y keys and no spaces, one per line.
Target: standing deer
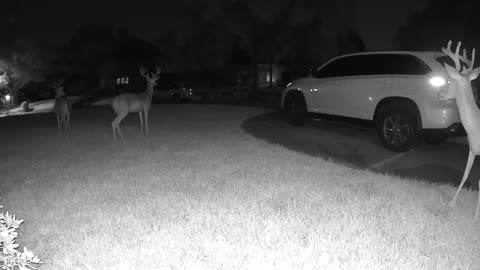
{"x":141,"y":102}
{"x":62,"y":107}
{"x":460,"y":89}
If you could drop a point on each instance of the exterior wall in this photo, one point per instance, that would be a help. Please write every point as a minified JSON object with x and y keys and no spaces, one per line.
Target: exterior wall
{"x":122,"y":76}
{"x":274,"y":72}
{"x":280,"y":75}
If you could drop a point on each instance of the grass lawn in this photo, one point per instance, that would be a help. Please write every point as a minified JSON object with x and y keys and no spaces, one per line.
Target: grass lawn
{"x":200,"y":193}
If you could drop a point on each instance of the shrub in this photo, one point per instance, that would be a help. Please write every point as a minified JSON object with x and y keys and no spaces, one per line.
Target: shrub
{"x":10,"y":257}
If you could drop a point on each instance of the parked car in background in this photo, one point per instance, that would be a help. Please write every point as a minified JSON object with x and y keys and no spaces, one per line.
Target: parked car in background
{"x":396,"y":91}
{"x":173,"y":88}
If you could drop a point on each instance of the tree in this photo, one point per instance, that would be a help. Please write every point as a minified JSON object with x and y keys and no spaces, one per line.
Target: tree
{"x":28,"y":62}
{"x":350,"y":42}
{"x":272,"y":31}
{"x":439,"y":22}
{"x":8,"y":18}
{"x":202,"y":33}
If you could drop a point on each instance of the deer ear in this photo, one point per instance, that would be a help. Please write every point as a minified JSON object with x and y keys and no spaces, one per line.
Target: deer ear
{"x":452,"y":72}
{"x":474,"y":74}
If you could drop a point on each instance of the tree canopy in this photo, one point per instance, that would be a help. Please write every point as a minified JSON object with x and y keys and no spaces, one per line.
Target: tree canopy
{"x":440,"y":21}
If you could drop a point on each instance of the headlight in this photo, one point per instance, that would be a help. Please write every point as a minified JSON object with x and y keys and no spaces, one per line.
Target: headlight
{"x":7,"y":97}
{"x":288,"y":84}
{"x":437,"y":81}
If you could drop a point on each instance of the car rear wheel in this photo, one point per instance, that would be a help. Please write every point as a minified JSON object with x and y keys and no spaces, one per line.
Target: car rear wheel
{"x":397,"y":128}
{"x":296,"y":109}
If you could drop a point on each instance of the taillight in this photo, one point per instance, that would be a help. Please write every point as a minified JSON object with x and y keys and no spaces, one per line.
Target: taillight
{"x":438,"y":81}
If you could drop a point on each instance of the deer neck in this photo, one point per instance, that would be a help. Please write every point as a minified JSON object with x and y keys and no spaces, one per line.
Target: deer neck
{"x":467,"y":107}
{"x":149,"y":90}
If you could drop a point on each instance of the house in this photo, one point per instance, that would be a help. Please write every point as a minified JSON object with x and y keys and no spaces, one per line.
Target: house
{"x":123,"y":75}
{"x":272,"y":75}
{"x":269,"y":75}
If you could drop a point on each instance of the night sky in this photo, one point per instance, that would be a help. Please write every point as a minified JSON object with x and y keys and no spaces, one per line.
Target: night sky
{"x":55,"y":20}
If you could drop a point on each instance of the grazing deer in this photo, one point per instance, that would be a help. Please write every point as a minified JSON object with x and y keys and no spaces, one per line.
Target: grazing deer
{"x":460,"y":89}
{"x":141,"y":102}
{"x":62,"y":107}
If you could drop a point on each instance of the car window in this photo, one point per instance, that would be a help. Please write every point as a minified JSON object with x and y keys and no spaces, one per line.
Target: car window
{"x":337,"y":68}
{"x":445,"y":60}
{"x":409,"y":65}
{"x":373,"y":64}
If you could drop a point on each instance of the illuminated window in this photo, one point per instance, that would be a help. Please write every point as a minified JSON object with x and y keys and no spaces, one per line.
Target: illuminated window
{"x":123,"y":80}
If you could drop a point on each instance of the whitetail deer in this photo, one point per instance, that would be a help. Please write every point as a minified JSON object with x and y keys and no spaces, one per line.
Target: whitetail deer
{"x":62,"y":107}
{"x":141,"y":102}
{"x":460,"y":89}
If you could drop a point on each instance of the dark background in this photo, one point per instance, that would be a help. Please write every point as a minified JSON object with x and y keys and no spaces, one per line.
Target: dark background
{"x":214,"y":43}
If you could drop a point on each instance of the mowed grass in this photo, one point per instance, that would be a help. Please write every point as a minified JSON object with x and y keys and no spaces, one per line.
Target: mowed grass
{"x":200,"y":193}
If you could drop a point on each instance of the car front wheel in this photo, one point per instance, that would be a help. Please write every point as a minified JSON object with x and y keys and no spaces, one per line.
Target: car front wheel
{"x":397,"y":129}
{"x":296,"y":109}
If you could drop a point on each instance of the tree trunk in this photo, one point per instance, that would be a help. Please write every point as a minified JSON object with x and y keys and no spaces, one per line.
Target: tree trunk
{"x":271,"y":74}
{"x":253,"y":87}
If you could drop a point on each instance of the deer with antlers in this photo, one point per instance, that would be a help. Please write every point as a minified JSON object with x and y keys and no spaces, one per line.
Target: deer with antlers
{"x":62,"y":107}
{"x":460,"y":89}
{"x":141,"y":102}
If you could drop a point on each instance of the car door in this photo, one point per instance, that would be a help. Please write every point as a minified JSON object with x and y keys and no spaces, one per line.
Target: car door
{"x":370,"y":75}
{"x":326,"y":86}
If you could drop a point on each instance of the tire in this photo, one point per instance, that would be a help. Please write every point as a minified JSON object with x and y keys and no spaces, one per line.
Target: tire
{"x":296,"y":109}
{"x":397,"y":128}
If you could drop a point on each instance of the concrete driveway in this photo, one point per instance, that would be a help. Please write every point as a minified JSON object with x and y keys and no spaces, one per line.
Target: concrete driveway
{"x":357,"y":146}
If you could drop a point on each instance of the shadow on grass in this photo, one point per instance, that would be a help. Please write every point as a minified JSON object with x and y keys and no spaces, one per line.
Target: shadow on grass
{"x":358,"y":147}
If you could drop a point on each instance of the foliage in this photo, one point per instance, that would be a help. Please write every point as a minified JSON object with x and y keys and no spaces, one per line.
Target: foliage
{"x":29,"y":62}
{"x":297,"y":33}
{"x":10,"y":257}
{"x":439,"y":22}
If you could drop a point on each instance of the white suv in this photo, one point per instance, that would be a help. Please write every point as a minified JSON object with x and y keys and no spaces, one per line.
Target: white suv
{"x":397,"y":90}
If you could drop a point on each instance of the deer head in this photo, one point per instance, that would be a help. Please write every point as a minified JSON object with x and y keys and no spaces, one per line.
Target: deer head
{"x":58,"y":87}
{"x":461,"y":77}
{"x":152,"y":77}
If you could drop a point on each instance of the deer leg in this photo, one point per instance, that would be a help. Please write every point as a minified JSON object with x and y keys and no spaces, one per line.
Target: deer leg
{"x":65,"y":123}
{"x":477,"y":212}
{"x":146,"y":121}
{"x":68,"y":121}
{"x":141,"y":121}
{"x":116,"y":125}
{"x":59,"y":125}
{"x":471,"y":158}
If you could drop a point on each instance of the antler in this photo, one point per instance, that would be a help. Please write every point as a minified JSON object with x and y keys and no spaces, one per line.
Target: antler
{"x":456,"y":57}
{"x":469,"y":63}
{"x":143,"y":72}
{"x":57,"y":84}
{"x":157,"y":72}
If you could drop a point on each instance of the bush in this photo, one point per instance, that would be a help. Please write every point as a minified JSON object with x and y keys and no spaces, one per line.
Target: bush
{"x":10,"y":257}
